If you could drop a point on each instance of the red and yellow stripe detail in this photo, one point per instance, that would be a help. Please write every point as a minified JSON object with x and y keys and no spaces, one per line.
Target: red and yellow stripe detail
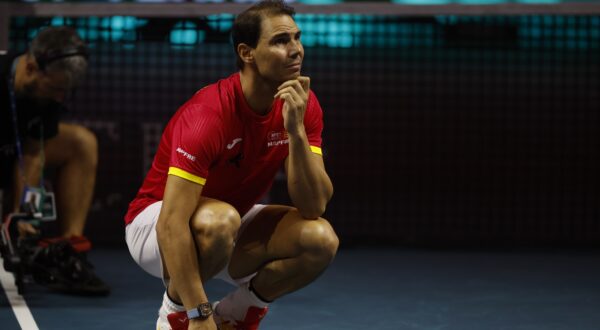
{"x":186,"y":175}
{"x":316,"y":150}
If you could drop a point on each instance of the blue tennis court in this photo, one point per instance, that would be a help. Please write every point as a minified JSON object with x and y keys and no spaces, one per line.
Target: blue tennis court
{"x":367,"y":288}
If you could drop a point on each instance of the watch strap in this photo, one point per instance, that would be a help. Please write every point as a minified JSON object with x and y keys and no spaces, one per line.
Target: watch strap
{"x":203,"y":311}
{"x":193,"y":313}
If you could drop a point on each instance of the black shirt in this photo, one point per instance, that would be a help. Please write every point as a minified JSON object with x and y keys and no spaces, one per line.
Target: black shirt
{"x":32,"y":122}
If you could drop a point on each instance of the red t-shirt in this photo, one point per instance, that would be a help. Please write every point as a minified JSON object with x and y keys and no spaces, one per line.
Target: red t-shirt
{"x":216,"y":140}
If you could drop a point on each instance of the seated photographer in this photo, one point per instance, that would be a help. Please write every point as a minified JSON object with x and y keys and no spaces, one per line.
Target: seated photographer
{"x":33,"y":90}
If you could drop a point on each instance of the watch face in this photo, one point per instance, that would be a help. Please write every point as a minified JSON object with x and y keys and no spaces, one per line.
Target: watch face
{"x":205,"y":309}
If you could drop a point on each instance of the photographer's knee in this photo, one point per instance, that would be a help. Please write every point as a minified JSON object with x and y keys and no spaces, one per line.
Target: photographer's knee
{"x":85,"y":143}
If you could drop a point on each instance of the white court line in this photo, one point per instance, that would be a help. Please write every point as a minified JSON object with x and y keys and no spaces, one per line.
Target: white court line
{"x":18,"y":304}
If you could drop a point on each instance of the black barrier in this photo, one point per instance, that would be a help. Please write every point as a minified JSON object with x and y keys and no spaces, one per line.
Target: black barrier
{"x":439,"y":130}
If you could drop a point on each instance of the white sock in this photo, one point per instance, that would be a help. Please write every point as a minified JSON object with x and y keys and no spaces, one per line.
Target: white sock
{"x":235,"y":304}
{"x":170,"y":306}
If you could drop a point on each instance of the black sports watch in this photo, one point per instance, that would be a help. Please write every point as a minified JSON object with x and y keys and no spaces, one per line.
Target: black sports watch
{"x":203,"y":311}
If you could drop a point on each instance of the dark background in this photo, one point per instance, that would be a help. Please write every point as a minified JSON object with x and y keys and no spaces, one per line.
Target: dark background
{"x":439,"y":131}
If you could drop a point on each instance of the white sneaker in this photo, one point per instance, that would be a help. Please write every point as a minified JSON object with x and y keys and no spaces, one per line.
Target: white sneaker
{"x":172,"y":321}
{"x":250,"y":322}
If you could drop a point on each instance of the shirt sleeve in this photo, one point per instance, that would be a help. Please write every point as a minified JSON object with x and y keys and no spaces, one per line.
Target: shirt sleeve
{"x":313,"y":123}
{"x":197,"y":137}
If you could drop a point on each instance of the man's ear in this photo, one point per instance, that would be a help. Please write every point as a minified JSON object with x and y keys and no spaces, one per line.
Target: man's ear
{"x":246,"y":53}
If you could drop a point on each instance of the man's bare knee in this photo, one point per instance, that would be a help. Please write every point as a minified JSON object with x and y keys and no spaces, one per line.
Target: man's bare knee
{"x":74,"y":142}
{"x":218,"y":224}
{"x":84,"y":142}
{"x":319,"y":239}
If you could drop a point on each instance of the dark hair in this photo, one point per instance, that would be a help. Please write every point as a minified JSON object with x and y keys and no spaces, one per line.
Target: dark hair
{"x":60,"y":49}
{"x":246,"y":27}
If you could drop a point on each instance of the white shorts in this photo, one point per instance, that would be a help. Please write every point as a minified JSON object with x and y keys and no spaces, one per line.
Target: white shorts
{"x":140,"y":236}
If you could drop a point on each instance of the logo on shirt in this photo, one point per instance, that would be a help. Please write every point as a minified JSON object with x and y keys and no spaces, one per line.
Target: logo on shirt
{"x":186,"y":154}
{"x":233,"y":143}
{"x":277,"y":138}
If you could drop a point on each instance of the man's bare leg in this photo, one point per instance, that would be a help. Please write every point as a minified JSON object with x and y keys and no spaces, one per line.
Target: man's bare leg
{"x":214,"y":227}
{"x":287,"y":251}
{"x":74,"y":151}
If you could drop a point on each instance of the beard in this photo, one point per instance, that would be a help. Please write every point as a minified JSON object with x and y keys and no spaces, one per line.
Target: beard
{"x":275,"y":76}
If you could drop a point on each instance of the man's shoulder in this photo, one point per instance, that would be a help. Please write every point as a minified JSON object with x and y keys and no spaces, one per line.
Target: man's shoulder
{"x":215,"y":97}
{"x":313,"y":102}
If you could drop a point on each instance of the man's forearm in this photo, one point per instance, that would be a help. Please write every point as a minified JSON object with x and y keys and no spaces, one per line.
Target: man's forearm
{"x":176,"y":241}
{"x":309,"y":185}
